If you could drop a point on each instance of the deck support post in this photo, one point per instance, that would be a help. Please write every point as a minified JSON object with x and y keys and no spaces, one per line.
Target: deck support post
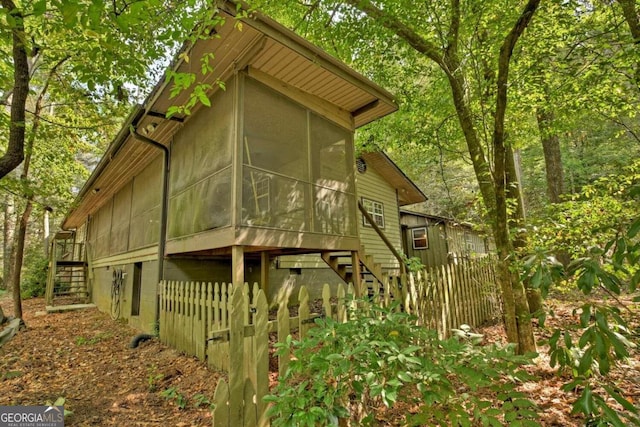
{"x":264,"y":272}
{"x":237,"y":265}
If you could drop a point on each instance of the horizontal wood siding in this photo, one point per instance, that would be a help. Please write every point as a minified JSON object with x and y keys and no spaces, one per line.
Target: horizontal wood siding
{"x":372,"y":186}
{"x":465,"y":241}
{"x":301,"y":261}
{"x":436,"y":253}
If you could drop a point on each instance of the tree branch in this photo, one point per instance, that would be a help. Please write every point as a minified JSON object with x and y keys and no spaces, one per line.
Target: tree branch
{"x":504,"y":61}
{"x":414,"y":39}
{"x":454,"y":28}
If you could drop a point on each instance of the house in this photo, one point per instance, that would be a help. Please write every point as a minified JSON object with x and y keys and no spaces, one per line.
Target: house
{"x":382,"y":189}
{"x":437,"y":240}
{"x":268,"y":170}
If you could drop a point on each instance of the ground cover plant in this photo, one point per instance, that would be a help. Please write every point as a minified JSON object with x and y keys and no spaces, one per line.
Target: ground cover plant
{"x":380,"y":358}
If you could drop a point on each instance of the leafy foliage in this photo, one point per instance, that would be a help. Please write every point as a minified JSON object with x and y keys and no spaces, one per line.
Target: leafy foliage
{"x":381,"y":358}
{"x":599,"y":228}
{"x":172,"y":393}
{"x":34,"y":281}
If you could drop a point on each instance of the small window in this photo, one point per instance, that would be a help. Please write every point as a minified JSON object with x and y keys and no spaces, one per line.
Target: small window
{"x":137,"y":288}
{"x":376,"y":210}
{"x":419,"y":238}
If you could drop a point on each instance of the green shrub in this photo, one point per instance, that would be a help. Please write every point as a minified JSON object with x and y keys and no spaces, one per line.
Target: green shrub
{"x":34,"y":275}
{"x":379,"y":358}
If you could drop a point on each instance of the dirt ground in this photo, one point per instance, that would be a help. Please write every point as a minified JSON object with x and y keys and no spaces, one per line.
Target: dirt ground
{"x":84,"y":357}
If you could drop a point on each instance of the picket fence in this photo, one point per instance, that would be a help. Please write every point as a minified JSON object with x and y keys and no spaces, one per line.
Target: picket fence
{"x":233,"y":327}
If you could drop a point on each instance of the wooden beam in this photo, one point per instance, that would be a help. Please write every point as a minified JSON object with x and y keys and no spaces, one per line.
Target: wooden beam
{"x":264,"y":272}
{"x":356,"y":273}
{"x":237,"y":265}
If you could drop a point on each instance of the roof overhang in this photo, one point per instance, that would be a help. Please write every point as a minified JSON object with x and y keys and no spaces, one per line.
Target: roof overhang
{"x":408,"y":192}
{"x":262,"y":47}
{"x":437,"y":219}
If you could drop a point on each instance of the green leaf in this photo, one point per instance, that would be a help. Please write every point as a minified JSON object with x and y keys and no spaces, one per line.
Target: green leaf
{"x":404,"y":376}
{"x":203,"y":98}
{"x":39,"y":7}
{"x":634,"y":229}
{"x":584,"y":403}
{"x":70,"y":12}
{"x":611,"y":415}
{"x":334,"y":357}
{"x":621,"y":400}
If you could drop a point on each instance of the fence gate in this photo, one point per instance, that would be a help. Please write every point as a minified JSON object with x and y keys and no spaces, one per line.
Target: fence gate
{"x":239,"y":402}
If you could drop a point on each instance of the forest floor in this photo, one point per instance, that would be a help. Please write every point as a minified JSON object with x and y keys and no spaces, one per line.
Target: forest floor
{"x":84,"y":357}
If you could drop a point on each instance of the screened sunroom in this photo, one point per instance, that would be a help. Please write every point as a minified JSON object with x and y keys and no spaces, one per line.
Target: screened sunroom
{"x":259,"y":169}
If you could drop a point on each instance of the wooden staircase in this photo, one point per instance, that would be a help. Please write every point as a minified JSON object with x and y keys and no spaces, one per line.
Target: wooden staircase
{"x":67,"y":277}
{"x":70,"y":280}
{"x":355,"y":267}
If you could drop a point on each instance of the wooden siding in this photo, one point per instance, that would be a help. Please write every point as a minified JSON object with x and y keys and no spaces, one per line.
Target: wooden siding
{"x":130,"y":220}
{"x":463,"y":240}
{"x":372,"y":186}
{"x":301,"y":261}
{"x":436,"y":253}
{"x":446,"y":239}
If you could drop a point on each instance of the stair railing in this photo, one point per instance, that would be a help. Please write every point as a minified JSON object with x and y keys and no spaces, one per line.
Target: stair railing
{"x":385,"y":239}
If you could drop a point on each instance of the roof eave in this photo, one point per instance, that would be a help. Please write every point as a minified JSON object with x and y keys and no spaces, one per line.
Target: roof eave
{"x":111,"y":152}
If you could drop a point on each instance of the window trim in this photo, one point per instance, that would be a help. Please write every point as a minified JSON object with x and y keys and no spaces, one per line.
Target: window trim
{"x":413,"y":238}
{"x":367,"y":203}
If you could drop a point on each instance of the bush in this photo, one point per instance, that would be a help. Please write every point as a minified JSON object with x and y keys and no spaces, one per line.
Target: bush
{"x":381,"y":358}
{"x":34,"y":276}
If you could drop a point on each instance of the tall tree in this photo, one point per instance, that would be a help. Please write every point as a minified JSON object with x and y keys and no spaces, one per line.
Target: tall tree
{"x":15,"y":147}
{"x":441,"y":34}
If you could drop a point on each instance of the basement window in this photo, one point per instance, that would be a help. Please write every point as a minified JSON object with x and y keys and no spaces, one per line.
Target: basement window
{"x":376,"y":210}
{"x":419,"y":238}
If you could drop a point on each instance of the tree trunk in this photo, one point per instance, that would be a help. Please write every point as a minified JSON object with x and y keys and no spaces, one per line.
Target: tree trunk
{"x":15,"y":147}
{"x":8,"y":235}
{"x":19,"y":256}
{"x":552,"y":154}
{"x":506,"y":186}
{"x":553,"y":163}
{"x":492,"y":186}
{"x":633,"y":22}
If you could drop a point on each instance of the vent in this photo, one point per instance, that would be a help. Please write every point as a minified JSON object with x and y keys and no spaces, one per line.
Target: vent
{"x":361,"y":165}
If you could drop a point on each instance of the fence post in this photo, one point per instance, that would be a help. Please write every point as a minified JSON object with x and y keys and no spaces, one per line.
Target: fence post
{"x":221,"y":402}
{"x":283,"y":332}
{"x":262,"y":351}
{"x":249,"y":418}
{"x":236,"y":345}
{"x":303,"y":311}
{"x":326,"y":300}
{"x":341,"y":311}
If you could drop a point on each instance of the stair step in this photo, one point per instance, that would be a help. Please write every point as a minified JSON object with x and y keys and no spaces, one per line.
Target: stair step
{"x":84,"y":294}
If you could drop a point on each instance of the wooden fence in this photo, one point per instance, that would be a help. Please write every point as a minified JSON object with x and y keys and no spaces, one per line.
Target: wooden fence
{"x":460,"y":293}
{"x":230,"y":326}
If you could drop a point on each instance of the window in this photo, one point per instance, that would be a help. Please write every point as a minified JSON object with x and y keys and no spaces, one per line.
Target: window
{"x":419,"y":238}
{"x":376,"y":210}
{"x":137,"y":288}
